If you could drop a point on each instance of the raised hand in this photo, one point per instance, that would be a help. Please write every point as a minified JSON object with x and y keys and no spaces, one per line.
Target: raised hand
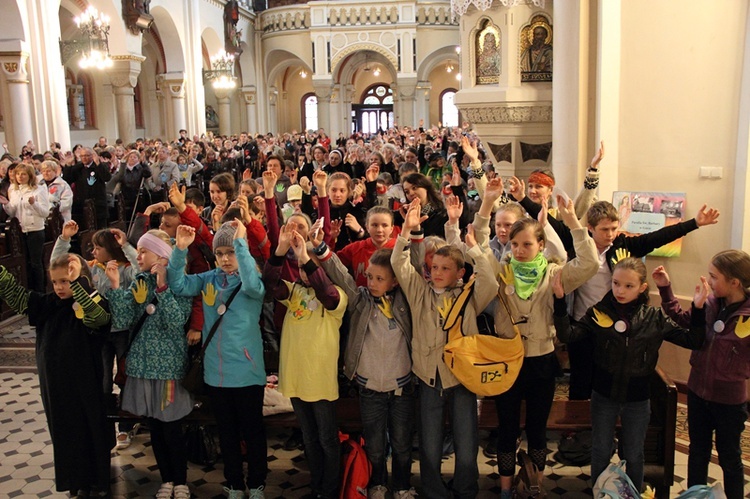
{"x":542,"y":217}
{"x":455,"y":208}
{"x":456,"y":177}
{"x":320,"y":178}
{"x":120,"y":237}
{"x":701,"y":293}
{"x":216,"y":215}
{"x":517,"y":188}
{"x":240,"y":231}
{"x":371,"y":175}
{"x":304,"y":182}
{"x":246,"y":175}
{"x":708,"y":216}
{"x":660,"y":276}
{"x":494,"y":189}
{"x":300,"y":248}
{"x":470,"y":149}
{"x":185,"y":236}
{"x":157,"y":208}
{"x":244,"y":207}
{"x":359,"y":190}
{"x":336,"y":228}
{"x":69,"y":230}
{"x":567,"y":212}
{"x":414,"y":217}
{"x":74,"y":267}
{"x":269,"y":183}
{"x":315,"y":234}
{"x":112,"y":271}
{"x":177,"y":196}
{"x":286,"y":232}
{"x":557,"y":285}
{"x":352,"y":223}
{"x":160,"y":271}
{"x":598,"y":156}
{"x":470,"y":238}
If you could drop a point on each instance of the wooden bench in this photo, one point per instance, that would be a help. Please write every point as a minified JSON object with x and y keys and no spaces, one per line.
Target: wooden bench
{"x":565,"y":415}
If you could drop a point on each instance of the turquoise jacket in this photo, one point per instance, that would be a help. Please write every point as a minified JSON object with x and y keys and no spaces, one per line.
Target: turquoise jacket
{"x":234,"y":358}
{"x":160,"y":349}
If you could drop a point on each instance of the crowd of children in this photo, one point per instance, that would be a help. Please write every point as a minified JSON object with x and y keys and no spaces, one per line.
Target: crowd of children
{"x":312,"y":261}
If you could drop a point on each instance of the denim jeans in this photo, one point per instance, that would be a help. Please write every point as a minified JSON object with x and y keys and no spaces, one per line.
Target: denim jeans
{"x":317,"y":420}
{"x":385,"y":415}
{"x":634,"y":417}
{"x":239,"y":416}
{"x":729,"y":422}
{"x":463,"y":411}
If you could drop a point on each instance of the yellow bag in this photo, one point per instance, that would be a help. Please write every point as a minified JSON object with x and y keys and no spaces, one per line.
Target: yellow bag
{"x":485,"y":365}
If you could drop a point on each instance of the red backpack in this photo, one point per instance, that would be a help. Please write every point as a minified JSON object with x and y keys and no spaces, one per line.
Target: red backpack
{"x":355,"y":468}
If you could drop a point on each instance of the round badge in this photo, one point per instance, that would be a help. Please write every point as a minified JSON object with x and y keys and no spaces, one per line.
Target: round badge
{"x":509,"y":290}
{"x":150,"y":309}
{"x":222,"y":309}
{"x":91,"y":174}
{"x":719,"y":326}
{"x":621,"y":326}
{"x":312,"y":305}
{"x":78,"y":310}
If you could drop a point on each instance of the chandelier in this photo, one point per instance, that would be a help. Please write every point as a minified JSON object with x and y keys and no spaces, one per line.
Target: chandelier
{"x":93,"y":42}
{"x":221,"y":74}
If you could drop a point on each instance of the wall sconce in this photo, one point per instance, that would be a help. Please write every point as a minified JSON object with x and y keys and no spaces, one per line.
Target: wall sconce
{"x":93,"y":43}
{"x":221,"y":74}
{"x":303,"y":73}
{"x":458,"y":76}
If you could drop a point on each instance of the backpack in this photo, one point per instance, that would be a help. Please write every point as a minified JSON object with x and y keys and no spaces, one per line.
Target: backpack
{"x":355,"y":468}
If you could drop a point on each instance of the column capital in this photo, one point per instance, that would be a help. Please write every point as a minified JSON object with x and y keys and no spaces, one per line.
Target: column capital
{"x":124,"y":72}
{"x":174,"y":84}
{"x":223,"y":93}
{"x":14,"y":67}
{"x":249,"y":94}
{"x":323,"y":88}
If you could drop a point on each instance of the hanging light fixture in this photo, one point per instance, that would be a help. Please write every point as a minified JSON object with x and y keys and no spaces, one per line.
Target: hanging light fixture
{"x":303,"y":73}
{"x":93,"y":43}
{"x":449,"y":68}
{"x":377,"y":71}
{"x":221,"y":74}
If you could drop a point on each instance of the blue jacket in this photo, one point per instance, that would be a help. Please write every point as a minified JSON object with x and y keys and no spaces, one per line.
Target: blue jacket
{"x":234,"y":358}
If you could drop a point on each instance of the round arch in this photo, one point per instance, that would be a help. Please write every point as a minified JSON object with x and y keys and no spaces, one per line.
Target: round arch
{"x":281,"y":61}
{"x":174,"y":54}
{"x":341,"y":57}
{"x":434,"y":59}
{"x":12,"y":24}
{"x":212,"y":43}
{"x":348,"y":68}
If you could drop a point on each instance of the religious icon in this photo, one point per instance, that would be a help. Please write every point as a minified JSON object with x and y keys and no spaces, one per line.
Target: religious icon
{"x":488,"y":55}
{"x":536,"y":50}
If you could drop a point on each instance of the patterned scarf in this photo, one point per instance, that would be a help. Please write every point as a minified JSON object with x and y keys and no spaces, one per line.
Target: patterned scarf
{"x":526,"y":275}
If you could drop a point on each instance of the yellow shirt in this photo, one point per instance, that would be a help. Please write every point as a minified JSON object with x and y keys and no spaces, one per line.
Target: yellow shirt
{"x":308,"y":362}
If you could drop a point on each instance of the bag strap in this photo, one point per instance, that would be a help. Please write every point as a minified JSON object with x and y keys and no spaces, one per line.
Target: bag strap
{"x":531,"y":473}
{"x":457,"y":310}
{"x":218,"y":321}
{"x":504,"y":301}
{"x":138,"y":325}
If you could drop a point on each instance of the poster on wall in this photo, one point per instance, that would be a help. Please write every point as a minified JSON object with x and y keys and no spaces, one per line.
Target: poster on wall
{"x":644,"y":212}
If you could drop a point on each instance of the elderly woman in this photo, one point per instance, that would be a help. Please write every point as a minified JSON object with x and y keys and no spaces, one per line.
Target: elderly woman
{"x":59,"y":192}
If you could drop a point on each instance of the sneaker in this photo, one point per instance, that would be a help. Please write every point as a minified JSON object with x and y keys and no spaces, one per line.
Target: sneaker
{"x":377,"y":492}
{"x":256,"y":493}
{"x":181,"y":492}
{"x":490,"y":448}
{"x":405,"y":494}
{"x":294,"y":441}
{"x":234,"y":494}
{"x":123,"y":440}
{"x":506,"y":494}
{"x":165,"y":491}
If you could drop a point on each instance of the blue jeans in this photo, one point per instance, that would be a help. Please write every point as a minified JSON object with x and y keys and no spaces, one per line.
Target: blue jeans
{"x":729,"y":422}
{"x":384,"y":414}
{"x":634,"y":417}
{"x":317,"y":420}
{"x":463,"y":411}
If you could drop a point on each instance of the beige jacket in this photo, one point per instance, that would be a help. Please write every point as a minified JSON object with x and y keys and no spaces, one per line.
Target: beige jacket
{"x":538,"y":332}
{"x":428,"y":337}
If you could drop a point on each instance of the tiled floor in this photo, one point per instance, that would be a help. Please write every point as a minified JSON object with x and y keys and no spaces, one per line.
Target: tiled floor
{"x":26,"y":455}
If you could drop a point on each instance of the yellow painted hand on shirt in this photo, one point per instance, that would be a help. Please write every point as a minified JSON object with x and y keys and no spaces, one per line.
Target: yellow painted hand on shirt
{"x":602,"y":319}
{"x":620,"y":254}
{"x":742,"y":329}
{"x":506,"y":275}
{"x":447,"y":305}
{"x":385,"y":307}
{"x":209,"y":295}
{"x":140,"y":291}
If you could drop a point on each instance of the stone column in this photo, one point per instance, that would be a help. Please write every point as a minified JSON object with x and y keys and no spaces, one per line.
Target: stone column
{"x":75,"y":91}
{"x":406,"y":91}
{"x":273,"y":118}
{"x":225,"y":110}
{"x":175,"y":87}
{"x":124,"y":77}
{"x":348,"y":98}
{"x":335,"y":114}
{"x":323,"y":92}
{"x":249,"y":95}
{"x":423,"y":102}
{"x":17,"y":78}
{"x":569,"y":85}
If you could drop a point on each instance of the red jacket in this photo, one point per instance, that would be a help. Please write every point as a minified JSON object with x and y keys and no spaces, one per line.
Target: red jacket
{"x":356,"y":257}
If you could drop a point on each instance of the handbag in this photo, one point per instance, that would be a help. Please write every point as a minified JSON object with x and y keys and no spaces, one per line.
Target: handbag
{"x":193,"y":380}
{"x":200,"y":444}
{"x":485,"y":364}
{"x":121,"y":377}
{"x":614,"y":483}
{"x":526,"y":483}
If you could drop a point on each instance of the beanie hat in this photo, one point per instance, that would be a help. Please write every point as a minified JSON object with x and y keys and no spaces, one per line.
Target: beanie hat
{"x":294,"y":193}
{"x":224,"y":236}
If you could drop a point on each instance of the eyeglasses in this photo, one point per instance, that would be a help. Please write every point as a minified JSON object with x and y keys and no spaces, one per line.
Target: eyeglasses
{"x":224,"y":254}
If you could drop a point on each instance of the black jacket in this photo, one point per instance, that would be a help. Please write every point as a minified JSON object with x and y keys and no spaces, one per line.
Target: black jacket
{"x":90,"y":183}
{"x":623,"y":361}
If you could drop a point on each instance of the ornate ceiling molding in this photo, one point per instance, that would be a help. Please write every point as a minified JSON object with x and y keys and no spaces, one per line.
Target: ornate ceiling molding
{"x":507,"y":114}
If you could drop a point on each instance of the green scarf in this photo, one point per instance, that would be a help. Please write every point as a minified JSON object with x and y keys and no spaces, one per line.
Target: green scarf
{"x":526,"y":275}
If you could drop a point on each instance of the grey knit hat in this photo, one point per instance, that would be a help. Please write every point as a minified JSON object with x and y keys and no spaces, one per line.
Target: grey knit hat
{"x":224,"y":236}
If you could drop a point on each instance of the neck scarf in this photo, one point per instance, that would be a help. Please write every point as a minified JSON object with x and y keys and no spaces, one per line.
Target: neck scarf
{"x":526,"y":275}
